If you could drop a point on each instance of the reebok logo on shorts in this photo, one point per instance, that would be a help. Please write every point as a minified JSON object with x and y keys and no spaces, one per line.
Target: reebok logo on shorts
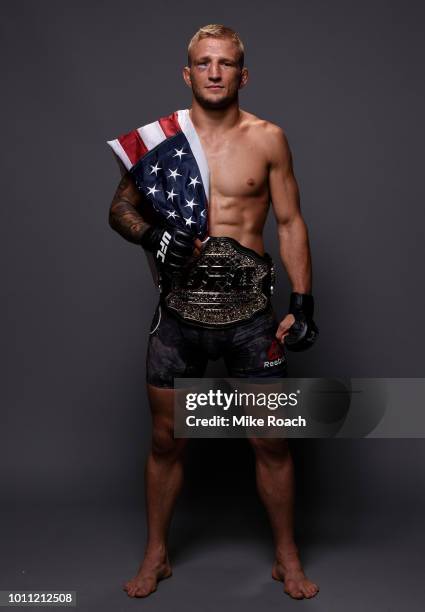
{"x":275,"y":355}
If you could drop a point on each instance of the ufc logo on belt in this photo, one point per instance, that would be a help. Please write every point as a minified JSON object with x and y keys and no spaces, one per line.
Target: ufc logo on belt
{"x":165,"y":240}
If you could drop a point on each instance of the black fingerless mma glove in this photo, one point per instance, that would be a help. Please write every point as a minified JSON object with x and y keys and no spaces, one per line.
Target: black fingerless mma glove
{"x":303,"y":333}
{"x":171,"y":247}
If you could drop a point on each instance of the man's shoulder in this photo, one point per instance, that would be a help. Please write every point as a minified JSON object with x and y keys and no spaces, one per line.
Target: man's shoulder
{"x":262,"y":128}
{"x":265,"y":132}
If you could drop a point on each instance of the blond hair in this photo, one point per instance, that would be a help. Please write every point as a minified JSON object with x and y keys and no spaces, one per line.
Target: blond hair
{"x":215,"y":30}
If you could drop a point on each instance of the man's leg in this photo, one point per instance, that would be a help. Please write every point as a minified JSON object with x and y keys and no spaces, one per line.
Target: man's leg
{"x":275,"y":483}
{"x":173,"y":351}
{"x":256,"y":353}
{"x":163,"y":481}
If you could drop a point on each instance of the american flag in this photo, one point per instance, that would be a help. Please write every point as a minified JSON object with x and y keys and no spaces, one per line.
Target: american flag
{"x":168,"y":165}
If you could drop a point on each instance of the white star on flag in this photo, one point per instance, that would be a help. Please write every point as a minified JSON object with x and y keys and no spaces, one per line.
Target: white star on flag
{"x":191,"y":204}
{"x":174,"y":174}
{"x":155,"y":169}
{"x":171,"y":195}
{"x":194,"y":181}
{"x":171,"y":214}
{"x":152,"y":191}
{"x":203,"y":213}
{"x":189,"y":221}
{"x":179,"y":153}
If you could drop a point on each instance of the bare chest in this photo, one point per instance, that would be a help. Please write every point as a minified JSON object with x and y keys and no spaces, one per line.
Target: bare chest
{"x":238,"y":169}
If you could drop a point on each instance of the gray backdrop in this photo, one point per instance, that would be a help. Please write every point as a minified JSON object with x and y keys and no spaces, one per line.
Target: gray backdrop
{"x":345,"y":82}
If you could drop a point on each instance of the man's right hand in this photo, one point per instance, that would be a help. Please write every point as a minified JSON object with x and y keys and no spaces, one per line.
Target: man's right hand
{"x":171,"y":247}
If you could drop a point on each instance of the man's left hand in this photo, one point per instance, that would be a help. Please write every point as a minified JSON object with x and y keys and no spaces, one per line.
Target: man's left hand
{"x":298,"y":325}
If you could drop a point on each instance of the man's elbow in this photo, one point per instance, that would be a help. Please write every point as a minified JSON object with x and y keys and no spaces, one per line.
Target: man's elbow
{"x":112,"y":219}
{"x":291,"y":224}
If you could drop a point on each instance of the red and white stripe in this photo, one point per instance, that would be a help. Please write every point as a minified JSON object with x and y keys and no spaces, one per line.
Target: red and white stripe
{"x":135,"y":144}
{"x":132,"y":146}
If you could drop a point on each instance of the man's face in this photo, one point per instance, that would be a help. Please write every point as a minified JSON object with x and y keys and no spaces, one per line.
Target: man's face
{"x":215,"y":75}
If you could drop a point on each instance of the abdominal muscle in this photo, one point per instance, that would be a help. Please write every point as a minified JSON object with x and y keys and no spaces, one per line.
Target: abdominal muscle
{"x":242,"y":219}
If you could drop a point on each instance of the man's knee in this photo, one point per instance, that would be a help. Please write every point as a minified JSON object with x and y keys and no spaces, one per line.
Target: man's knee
{"x":163,"y":442}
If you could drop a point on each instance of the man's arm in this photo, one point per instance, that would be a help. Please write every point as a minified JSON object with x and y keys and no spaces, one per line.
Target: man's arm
{"x":292,"y":230}
{"x":124,"y":216}
{"x":297,"y":329}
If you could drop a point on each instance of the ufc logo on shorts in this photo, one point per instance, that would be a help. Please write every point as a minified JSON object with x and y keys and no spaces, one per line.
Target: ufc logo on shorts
{"x":165,"y":240}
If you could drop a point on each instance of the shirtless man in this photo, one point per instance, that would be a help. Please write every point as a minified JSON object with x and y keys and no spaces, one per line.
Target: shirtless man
{"x":250,"y":164}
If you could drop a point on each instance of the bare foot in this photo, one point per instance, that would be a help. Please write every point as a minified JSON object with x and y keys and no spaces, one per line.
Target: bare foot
{"x":287,"y":568}
{"x":152,"y":570}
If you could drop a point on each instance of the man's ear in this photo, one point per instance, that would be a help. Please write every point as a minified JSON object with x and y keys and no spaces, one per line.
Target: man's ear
{"x":244,"y":78}
{"x":186,"y":76}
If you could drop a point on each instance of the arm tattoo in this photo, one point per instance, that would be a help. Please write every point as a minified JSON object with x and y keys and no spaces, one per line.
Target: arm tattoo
{"x":124,"y":216}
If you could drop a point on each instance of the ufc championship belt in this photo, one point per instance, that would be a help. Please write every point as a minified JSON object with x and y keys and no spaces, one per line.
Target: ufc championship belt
{"x":226,"y":284}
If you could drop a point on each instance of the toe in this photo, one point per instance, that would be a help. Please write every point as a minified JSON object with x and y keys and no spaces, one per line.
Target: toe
{"x":146,"y":588}
{"x":294,"y":592}
{"x":145,"y":591}
{"x":312,"y":590}
{"x":129,"y":587}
